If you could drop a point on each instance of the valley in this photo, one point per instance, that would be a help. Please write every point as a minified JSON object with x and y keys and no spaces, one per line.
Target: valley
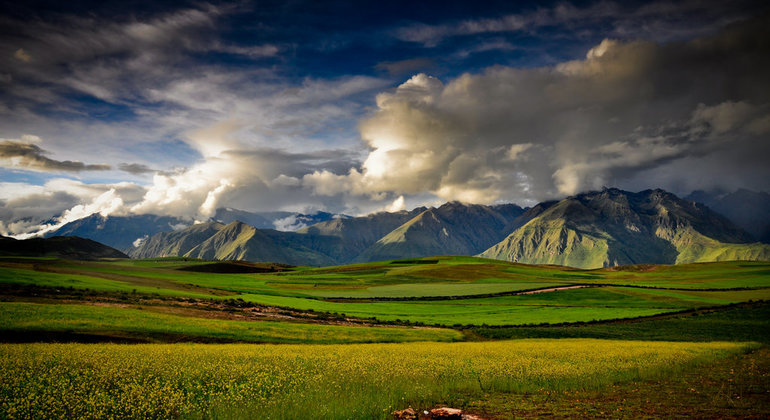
{"x":659,"y":318}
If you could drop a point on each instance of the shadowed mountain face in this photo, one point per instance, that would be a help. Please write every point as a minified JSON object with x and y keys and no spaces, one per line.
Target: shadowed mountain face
{"x":119,"y":232}
{"x":453,"y":228}
{"x":614,"y":227}
{"x":747,"y":209}
{"x":69,"y":247}
{"x":359,"y":233}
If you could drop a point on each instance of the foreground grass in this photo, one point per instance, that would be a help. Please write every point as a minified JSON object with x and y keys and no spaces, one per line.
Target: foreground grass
{"x":109,"y":322}
{"x":736,"y":387}
{"x":226,"y":381}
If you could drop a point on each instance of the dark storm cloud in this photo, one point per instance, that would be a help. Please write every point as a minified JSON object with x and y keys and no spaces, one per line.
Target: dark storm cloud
{"x":17,"y":154}
{"x":114,"y":59}
{"x":399,"y":68}
{"x":135,"y":168}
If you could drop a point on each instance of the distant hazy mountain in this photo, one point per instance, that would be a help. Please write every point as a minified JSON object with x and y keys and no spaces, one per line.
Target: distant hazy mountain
{"x":279,"y":220}
{"x":125,"y":232}
{"x":453,"y":228}
{"x":119,"y":232}
{"x":359,"y":233}
{"x":70,"y":247}
{"x":747,"y":209}
{"x":614,"y":227}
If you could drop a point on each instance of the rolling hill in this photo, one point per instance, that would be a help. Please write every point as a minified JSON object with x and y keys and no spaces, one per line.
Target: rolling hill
{"x":615,"y":227}
{"x":69,"y":247}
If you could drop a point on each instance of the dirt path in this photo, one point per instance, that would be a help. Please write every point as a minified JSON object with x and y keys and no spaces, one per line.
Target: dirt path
{"x":553,"y":289}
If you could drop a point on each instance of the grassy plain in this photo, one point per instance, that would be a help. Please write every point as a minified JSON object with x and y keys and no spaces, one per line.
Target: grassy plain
{"x":444,"y":291}
{"x":736,"y":323}
{"x":22,"y":319}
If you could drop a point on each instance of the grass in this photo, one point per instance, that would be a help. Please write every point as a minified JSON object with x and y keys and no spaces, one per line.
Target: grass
{"x":22,"y":319}
{"x":576,"y":305}
{"x":232,"y":381}
{"x":734,"y":388}
{"x":455,"y":279}
{"x":418,"y":290}
{"x":744,"y":322}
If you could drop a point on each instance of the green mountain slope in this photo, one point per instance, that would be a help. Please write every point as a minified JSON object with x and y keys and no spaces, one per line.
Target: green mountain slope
{"x":239,"y":241}
{"x":454,"y":228}
{"x":614,"y":227}
{"x":175,"y":243}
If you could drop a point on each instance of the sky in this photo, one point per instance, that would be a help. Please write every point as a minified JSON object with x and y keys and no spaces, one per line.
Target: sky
{"x":147,"y":107}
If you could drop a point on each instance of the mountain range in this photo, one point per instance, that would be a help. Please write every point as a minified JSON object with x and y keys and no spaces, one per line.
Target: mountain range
{"x":747,"y":209}
{"x":127,"y":232}
{"x":614,"y":227}
{"x":589,"y":230}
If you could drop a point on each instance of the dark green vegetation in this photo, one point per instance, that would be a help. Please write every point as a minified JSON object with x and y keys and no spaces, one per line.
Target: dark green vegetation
{"x":739,"y":322}
{"x":590,"y":230}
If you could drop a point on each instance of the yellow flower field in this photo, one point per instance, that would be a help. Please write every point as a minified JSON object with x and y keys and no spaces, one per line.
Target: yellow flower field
{"x":313,"y":381}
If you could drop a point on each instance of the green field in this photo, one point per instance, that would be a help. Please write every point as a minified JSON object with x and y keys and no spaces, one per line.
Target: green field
{"x":445,"y":292}
{"x":573,"y":334}
{"x":31,"y":319}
